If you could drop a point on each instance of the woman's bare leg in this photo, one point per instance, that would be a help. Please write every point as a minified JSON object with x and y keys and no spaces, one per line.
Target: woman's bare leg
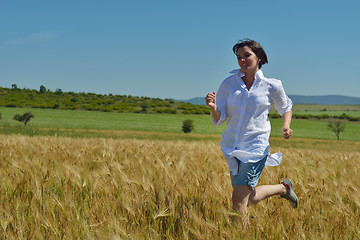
{"x":262,"y":192}
{"x":243,"y":196}
{"x":240,"y":200}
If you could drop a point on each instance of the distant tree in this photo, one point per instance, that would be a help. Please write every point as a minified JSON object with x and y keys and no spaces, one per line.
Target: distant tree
{"x":42,"y":89}
{"x":14,"y":86}
{"x":58,"y":91}
{"x":144,"y":107}
{"x":188,"y":126}
{"x":25,"y":118}
{"x":337,"y":128}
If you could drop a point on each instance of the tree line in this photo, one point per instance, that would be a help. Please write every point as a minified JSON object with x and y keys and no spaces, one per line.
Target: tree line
{"x":343,"y":116}
{"x":47,"y":99}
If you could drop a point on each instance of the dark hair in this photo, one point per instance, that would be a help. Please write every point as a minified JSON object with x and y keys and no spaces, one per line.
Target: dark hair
{"x":255,"y":47}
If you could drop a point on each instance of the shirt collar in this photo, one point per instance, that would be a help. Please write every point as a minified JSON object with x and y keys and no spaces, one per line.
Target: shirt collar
{"x":239,"y":74}
{"x":258,"y":74}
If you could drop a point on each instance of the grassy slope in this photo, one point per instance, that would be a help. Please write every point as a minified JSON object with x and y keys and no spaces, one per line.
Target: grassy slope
{"x":68,"y":119}
{"x":331,"y":113}
{"x":322,"y":108}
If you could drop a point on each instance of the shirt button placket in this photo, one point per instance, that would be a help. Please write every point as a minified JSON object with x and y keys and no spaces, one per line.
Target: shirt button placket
{"x":243,"y":102}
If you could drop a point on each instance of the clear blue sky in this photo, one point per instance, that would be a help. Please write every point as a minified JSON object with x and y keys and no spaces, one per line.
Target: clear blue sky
{"x":177,"y":49}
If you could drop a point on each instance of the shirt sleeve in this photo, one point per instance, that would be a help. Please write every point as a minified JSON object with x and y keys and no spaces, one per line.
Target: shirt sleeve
{"x":221,"y":103}
{"x":282,"y":102}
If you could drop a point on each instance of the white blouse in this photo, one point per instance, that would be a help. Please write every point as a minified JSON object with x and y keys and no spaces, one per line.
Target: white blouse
{"x":248,"y":127}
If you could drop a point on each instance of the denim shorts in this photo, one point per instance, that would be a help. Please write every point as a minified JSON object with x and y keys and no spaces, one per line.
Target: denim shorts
{"x":248,"y":173}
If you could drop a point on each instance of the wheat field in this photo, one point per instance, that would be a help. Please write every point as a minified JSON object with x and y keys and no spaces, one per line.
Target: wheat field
{"x":66,"y":188}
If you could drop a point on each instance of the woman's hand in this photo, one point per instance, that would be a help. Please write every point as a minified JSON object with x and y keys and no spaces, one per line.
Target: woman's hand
{"x":287,"y":132}
{"x":211,"y":100}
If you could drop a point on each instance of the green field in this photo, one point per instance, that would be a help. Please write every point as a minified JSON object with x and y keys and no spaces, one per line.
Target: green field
{"x":325,"y":108}
{"x":330,"y":113}
{"x":331,"y":110}
{"x":168,"y":123}
{"x":74,"y":119}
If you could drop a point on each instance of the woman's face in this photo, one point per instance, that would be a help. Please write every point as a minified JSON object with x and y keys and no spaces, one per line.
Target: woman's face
{"x":247,"y":60}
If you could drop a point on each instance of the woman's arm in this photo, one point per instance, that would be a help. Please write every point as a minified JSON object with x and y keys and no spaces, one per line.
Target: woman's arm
{"x":211,"y":102}
{"x":286,"y":117}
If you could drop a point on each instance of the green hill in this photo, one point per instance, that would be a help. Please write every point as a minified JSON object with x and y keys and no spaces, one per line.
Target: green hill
{"x":46,"y":99}
{"x":27,"y":98}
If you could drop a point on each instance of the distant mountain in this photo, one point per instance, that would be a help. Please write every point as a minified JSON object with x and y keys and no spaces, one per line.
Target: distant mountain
{"x":300,"y":99}
{"x":195,"y":100}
